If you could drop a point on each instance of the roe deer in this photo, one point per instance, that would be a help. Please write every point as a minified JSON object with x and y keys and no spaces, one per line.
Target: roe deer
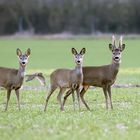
{"x":12,"y":79}
{"x":66,"y":78}
{"x":39,"y":76}
{"x":102,"y":76}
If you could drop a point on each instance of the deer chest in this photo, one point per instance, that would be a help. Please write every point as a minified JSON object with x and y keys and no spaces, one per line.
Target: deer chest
{"x":17,"y":84}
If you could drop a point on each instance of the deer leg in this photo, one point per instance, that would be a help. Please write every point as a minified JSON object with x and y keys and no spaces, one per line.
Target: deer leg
{"x":110,"y":98}
{"x":82,"y":93}
{"x":48,"y":97}
{"x":78,"y":96}
{"x":8,"y":97}
{"x":66,"y":96}
{"x":17,"y":94}
{"x":71,"y":91}
{"x":62,"y":90}
{"x":73,"y":99}
{"x":106,"y":97}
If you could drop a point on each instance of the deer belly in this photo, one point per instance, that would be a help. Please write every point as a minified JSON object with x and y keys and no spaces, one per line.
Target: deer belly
{"x":92,"y":82}
{"x":62,"y":83}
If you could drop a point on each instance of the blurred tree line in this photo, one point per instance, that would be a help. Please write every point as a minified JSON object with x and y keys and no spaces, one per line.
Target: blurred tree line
{"x":76,"y":16}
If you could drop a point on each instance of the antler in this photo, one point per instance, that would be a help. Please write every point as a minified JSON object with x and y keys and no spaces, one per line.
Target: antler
{"x":120,"y":41}
{"x":113,"y":40}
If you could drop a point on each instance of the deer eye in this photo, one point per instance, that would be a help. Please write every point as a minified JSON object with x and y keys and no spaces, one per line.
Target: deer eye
{"x":114,"y":53}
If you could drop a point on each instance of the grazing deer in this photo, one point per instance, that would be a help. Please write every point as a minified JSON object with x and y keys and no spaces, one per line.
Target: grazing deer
{"x":12,"y":79}
{"x":39,"y":76}
{"x":66,"y":78}
{"x":102,"y":76}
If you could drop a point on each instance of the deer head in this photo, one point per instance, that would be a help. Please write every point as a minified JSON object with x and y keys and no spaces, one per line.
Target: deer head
{"x":116,"y":50}
{"x":78,"y":57}
{"x":38,"y":76}
{"x":23,"y":58}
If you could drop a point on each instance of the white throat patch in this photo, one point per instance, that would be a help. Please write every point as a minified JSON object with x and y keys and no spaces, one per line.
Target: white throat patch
{"x":117,"y":62}
{"x":23,"y":74}
{"x":78,"y":71}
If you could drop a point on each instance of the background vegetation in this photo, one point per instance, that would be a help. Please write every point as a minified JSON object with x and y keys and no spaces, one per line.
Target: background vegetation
{"x":123,"y":122}
{"x":75,"y":16}
{"x":56,"y":53}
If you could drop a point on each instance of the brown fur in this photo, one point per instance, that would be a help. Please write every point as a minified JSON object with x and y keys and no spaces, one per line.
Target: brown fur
{"x":102,"y":76}
{"x":66,"y":78}
{"x":12,"y":79}
{"x":9,"y":78}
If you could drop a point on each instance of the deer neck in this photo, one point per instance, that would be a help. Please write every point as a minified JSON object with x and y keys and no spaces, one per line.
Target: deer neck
{"x":115,"y":68}
{"x":21,"y":71}
{"x":78,"y":69}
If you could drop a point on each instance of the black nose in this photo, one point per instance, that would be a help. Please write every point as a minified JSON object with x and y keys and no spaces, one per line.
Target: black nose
{"x":78,"y":61}
{"x":116,"y":57}
{"x":23,"y":63}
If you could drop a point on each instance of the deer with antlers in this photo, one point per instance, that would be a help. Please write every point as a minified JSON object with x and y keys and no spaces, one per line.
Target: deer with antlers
{"x":102,"y":76}
{"x":12,"y":79}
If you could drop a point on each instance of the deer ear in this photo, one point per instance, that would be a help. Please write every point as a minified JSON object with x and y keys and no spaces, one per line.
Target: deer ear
{"x":28,"y":52}
{"x":111,"y":47}
{"x":73,"y":50}
{"x":83,"y":51}
{"x":122,"y":47}
{"x":19,"y":53}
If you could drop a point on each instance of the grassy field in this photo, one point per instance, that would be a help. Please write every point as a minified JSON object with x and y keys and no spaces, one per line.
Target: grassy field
{"x":31,"y":122}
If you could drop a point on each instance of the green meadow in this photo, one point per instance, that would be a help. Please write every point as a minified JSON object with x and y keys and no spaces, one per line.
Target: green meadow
{"x":31,"y":123}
